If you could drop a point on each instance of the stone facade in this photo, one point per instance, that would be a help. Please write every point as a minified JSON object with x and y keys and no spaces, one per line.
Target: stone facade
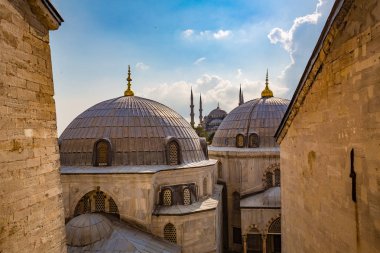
{"x":137,"y":195}
{"x":331,"y":132}
{"x":31,"y":210}
{"x":243,"y":173}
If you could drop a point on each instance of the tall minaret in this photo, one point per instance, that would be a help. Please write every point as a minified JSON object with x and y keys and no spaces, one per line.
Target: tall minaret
{"x":200,"y":110}
{"x":241,"y":98}
{"x":192,"y":109}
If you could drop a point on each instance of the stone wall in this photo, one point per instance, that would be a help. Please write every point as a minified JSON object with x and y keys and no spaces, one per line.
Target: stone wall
{"x":243,"y":172}
{"x":31,"y":211}
{"x":341,"y":112}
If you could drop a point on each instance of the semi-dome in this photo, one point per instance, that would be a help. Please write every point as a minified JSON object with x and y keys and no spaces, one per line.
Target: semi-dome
{"x":133,"y":131}
{"x":252,"y":124}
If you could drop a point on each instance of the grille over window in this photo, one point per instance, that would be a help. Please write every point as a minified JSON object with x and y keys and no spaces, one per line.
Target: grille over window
{"x":170,"y":233}
{"x":83,"y":206}
{"x":100,"y":203}
{"x":254,"y":141}
{"x":275,"y":227}
{"x":102,"y":153}
{"x":173,"y":149}
{"x":239,"y":141}
{"x":186,"y":197}
{"x":112,"y":206}
{"x":269,"y":179}
{"x":277,"y":177}
{"x":167,"y":197}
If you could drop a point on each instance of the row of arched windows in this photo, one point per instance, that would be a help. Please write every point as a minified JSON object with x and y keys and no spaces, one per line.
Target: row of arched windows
{"x":178,"y":195}
{"x":253,"y":141}
{"x":103,"y":153}
{"x":96,"y":201}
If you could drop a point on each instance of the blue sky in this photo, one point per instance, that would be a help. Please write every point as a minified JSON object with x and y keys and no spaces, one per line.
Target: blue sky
{"x":212,"y":46}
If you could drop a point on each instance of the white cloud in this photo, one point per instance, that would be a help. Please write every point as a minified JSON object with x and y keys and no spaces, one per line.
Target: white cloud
{"x":199,"y":60}
{"x":142,"y":66}
{"x":188,"y":33}
{"x":206,"y":34}
{"x":286,"y":38}
{"x":214,"y":89}
{"x":221,"y":34}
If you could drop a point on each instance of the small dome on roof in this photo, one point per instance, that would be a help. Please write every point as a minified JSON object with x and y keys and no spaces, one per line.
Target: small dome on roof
{"x":87,"y":229}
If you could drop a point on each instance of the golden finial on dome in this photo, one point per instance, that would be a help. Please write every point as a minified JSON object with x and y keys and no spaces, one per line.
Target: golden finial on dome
{"x":266,"y":93}
{"x":129,"y":92}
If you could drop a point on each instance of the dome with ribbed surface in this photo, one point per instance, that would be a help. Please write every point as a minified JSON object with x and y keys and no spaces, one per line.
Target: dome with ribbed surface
{"x":217,"y":113}
{"x":261,"y":116}
{"x":137,"y":129}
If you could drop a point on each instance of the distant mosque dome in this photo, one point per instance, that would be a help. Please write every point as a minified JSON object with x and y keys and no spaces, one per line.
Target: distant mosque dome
{"x":217,"y":113}
{"x":129,"y":130}
{"x":252,"y":124}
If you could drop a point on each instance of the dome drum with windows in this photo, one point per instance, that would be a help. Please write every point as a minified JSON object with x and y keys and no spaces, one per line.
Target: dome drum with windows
{"x":129,"y":130}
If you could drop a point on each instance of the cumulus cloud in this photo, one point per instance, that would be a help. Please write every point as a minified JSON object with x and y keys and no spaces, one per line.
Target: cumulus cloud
{"x":188,"y":33}
{"x":221,"y":34}
{"x":214,"y":89}
{"x":141,"y":66}
{"x":199,"y":60}
{"x":286,"y":37}
{"x":206,"y":34}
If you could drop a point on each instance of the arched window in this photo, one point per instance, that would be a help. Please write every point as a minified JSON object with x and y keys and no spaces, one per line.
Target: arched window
{"x":167,"y":198}
{"x":170,"y":233}
{"x":186,"y":196}
{"x":275,"y":227}
{"x":254,"y":141}
{"x":102,"y":151}
{"x":112,"y":207}
{"x":274,"y":236}
{"x":173,"y":153}
{"x":100,"y":202}
{"x":254,"y":241}
{"x":269,"y":179}
{"x":239,"y":140}
{"x":276,"y":177}
{"x":205,"y":186}
{"x":220,"y":170}
{"x":83,"y":206}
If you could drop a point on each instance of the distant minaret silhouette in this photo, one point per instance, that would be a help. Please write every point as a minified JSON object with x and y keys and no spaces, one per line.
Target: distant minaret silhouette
{"x":241,"y":98}
{"x":192,"y":109}
{"x":200,"y":110}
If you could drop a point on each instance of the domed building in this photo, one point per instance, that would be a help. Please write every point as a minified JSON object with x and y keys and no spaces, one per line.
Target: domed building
{"x":212,"y":121}
{"x":249,"y":167}
{"x":141,"y":163}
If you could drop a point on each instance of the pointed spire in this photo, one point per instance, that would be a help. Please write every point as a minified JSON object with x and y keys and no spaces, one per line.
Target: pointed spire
{"x":266,"y":93}
{"x":241,"y":98}
{"x":129,"y":92}
{"x":192,"y":123}
{"x":218,"y":106}
{"x":200,"y":110}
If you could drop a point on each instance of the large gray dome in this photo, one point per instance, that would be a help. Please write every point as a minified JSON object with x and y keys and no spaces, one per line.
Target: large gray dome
{"x":261,"y":116}
{"x":137,"y":129}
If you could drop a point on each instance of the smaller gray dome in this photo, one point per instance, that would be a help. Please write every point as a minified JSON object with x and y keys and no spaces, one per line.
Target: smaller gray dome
{"x":87,"y":229}
{"x":217,"y":113}
{"x":215,"y":122}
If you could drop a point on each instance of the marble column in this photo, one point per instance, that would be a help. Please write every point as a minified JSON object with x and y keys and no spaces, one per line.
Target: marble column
{"x":264,"y":241}
{"x":244,"y":243}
